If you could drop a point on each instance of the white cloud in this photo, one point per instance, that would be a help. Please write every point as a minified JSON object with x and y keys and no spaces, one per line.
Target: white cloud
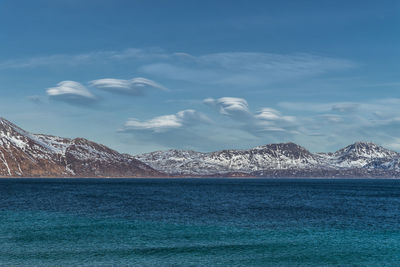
{"x":135,"y":86}
{"x":70,"y":88}
{"x":230,"y":106}
{"x":165,"y":123}
{"x":265,"y":120}
{"x":156,"y":124}
{"x":270,"y":114}
{"x":72,"y":92}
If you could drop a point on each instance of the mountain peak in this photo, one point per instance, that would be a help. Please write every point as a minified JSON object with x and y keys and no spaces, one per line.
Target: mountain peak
{"x":359,"y":151}
{"x":362,"y":147}
{"x":365,"y":144}
{"x":288,"y":145}
{"x":6,"y":123}
{"x":8,"y":128}
{"x":290,"y":149}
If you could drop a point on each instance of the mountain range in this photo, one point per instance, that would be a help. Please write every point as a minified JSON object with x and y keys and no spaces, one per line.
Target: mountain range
{"x":361,"y":159}
{"x":24,"y":154}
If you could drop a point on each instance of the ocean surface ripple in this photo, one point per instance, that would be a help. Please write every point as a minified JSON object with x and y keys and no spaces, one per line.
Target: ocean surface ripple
{"x":195,"y":222}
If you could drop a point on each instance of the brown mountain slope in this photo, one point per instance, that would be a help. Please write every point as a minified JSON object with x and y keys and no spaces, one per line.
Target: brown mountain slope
{"x":23,"y":154}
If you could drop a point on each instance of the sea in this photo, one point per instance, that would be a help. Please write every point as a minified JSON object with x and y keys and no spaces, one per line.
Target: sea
{"x":199,"y":222}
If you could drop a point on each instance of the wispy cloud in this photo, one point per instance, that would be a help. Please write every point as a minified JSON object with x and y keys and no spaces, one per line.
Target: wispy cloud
{"x":244,"y":69}
{"x":35,"y":99}
{"x":135,"y":86}
{"x":376,"y":120}
{"x":375,"y":106}
{"x":71,"y":92}
{"x":240,"y":69}
{"x":83,"y":58}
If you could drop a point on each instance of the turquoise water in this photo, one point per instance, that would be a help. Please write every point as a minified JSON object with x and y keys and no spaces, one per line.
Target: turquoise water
{"x":199,"y":222}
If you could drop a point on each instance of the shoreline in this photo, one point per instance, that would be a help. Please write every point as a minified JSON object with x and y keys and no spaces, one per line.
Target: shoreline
{"x":206,"y":177}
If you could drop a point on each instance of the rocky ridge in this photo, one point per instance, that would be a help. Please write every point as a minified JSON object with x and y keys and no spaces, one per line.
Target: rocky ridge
{"x":23,"y":154}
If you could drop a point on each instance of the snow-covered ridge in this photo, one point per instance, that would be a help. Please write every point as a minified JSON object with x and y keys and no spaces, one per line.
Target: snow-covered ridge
{"x":26,"y":154}
{"x":12,"y":135}
{"x":284,"y":156}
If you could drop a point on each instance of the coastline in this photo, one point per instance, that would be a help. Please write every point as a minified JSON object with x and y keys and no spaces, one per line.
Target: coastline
{"x":203,"y":177}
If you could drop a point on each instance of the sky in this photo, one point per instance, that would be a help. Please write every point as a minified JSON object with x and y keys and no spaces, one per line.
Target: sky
{"x":144,"y":75}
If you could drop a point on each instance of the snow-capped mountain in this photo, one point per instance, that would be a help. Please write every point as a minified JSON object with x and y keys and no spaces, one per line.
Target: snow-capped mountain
{"x":360,"y":154}
{"x":38,"y":155}
{"x":274,"y":156}
{"x":280,"y":160}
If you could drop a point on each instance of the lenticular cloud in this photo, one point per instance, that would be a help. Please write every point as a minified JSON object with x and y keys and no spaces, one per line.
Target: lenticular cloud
{"x":71,"y":92}
{"x":135,"y":86}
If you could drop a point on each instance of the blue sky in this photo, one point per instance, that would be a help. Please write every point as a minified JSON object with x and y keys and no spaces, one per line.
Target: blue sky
{"x":140,"y":76}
